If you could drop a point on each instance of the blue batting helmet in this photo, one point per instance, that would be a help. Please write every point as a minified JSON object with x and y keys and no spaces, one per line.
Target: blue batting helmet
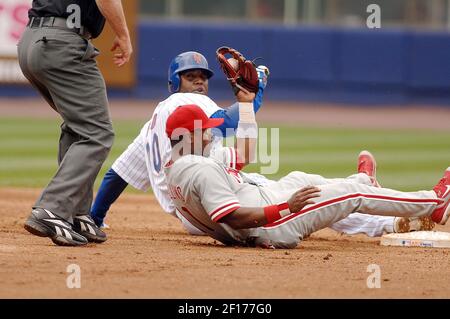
{"x":186,"y":61}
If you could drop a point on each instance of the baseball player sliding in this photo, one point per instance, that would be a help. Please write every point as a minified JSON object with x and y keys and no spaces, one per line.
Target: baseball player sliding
{"x":221,"y":202}
{"x":141,"y":166}
{"x":188,"y":77}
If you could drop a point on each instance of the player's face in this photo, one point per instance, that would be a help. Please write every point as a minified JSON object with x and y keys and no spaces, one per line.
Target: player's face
{"x":194,"y":81}
{"x":201,"y":142}
{"x":207,"y":141}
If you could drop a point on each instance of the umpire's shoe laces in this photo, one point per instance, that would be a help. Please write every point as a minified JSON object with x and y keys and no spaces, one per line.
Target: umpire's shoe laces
{"x":44,"y":223}
{"x":85,"y":226}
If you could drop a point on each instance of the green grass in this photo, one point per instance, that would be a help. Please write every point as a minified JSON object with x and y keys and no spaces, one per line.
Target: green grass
{"x":407,"y":160}
{"x":28,"y":149}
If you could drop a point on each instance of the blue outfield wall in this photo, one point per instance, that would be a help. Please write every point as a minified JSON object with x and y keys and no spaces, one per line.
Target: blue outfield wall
{"x":354,"y":66}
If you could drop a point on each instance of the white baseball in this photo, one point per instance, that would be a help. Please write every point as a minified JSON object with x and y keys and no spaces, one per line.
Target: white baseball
{"x":234,"y":63}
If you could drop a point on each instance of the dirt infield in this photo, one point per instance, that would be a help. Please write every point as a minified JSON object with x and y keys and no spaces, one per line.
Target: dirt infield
{"x":148,"y":255}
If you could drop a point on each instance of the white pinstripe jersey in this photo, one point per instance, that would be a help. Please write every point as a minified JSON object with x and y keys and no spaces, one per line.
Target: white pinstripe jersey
{"x":157,"y":144}
{"x":130,"y":165}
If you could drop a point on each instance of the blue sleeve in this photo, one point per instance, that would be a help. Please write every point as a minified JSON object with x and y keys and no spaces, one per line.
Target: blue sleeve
{"x":231,"y":119}
{"x":231,"y":115}
{"x":112,"y":186}
{"x":257,"y":103}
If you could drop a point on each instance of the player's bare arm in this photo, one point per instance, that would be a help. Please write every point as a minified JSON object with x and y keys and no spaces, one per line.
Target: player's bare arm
{"x":113,"y":12}
{"x":251,"y":217}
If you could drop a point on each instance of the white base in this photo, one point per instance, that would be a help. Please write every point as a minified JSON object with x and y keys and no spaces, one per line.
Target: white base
{"x":428,"y":239}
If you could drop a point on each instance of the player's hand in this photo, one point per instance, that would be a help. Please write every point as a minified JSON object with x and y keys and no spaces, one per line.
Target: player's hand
{"x":123,"y":49}
{"x":245,"y":96}
{"x":302,"y":198}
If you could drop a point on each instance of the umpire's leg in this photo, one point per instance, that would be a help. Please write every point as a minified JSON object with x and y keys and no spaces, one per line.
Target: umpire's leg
{"x":24,"y":48}
{"x":65,"y":63}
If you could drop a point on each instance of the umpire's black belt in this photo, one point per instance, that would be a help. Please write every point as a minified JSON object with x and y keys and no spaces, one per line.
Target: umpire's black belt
{"x":57,"y":22}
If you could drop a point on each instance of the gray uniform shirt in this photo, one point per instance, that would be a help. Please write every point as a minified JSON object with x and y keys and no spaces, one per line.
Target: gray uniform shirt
{"x":205,"y":190}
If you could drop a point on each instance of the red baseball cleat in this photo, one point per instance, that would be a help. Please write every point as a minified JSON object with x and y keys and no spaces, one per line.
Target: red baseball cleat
{"x":442,"y":190}
{"x":368,"y":166}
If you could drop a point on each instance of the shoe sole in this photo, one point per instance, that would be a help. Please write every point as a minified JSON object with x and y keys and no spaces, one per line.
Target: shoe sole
{"x":407,"y":225}
{"x":403,"y":226}
{"x":89,"y":236}
{"x":62,"y":241}
{"x":41,"y":230}
{"x":367,"y":153}
{"x":93,"y":239}
{"x":427,"y":223}
{"x":37,"y":229}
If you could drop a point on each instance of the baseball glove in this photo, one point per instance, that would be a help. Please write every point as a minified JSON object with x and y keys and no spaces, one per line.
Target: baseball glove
{"x":240,"y":72}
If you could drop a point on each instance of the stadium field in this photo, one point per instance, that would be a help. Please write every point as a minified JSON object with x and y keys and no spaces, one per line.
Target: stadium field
{"x":407,"y":159}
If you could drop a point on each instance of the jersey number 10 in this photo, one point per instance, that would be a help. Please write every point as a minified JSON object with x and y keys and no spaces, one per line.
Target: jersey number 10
{"x":156,"y":155}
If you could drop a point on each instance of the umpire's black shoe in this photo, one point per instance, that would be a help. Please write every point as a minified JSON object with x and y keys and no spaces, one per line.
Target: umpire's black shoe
{"x":85,"y":226}
{"x":44,"y":223}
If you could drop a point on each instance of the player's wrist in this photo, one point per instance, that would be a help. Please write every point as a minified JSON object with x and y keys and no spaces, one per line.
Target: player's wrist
{"x":247,"y":126}
{"x":246,"y":112}
{"x":276,"y":212}
{"x":245,"y":97}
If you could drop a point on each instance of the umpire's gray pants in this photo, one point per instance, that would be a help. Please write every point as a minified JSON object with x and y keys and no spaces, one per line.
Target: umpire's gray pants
{"x":61,"y":66}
